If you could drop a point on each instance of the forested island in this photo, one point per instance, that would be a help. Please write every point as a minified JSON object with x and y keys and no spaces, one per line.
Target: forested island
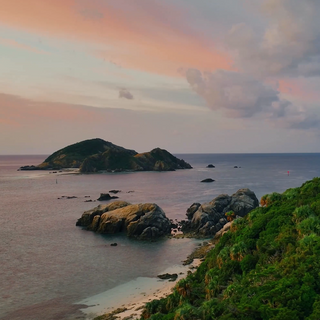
{"x":96,"y":155}
{"x":266,"y":266}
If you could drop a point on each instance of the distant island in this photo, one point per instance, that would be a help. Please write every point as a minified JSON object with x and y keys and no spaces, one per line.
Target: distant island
{"x":96,"y":155}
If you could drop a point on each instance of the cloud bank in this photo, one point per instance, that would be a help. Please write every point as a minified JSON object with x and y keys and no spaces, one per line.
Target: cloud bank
{"x":289,"y":45}
{"x":287,"y":48}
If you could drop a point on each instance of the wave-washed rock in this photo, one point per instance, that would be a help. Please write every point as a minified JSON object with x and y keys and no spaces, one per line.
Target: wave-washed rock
{"x":106,"y":197}
{"x":208,"y":218}
{"x":142,"y":221}
{"x":207,"y":180}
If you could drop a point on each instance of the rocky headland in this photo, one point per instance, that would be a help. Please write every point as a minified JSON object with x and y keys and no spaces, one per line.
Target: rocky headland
{"x":97,"y":155}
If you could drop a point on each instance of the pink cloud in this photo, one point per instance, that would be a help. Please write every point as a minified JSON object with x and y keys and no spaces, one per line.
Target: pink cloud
{"x":298,"y":88}
{"x":14,"y":44}
{"x":144,"y":35}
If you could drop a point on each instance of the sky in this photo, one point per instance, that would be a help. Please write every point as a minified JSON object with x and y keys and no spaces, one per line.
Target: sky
{"x":189,"y":76}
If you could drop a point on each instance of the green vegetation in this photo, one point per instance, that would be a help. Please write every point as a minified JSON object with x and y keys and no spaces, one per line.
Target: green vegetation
{"x":72,"y":156}
{"x":266,"y":267}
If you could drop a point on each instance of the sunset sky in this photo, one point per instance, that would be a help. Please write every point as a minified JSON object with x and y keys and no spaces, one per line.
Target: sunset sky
{"x":189,"y":76}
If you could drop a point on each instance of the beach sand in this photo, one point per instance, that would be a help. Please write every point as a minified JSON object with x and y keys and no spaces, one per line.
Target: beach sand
{"x":133,"y":295}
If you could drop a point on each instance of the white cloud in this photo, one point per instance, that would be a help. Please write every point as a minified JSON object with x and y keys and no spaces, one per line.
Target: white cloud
{"x":289,"y":46}
{"x":236,"y":94}
{"x":239,"y":95}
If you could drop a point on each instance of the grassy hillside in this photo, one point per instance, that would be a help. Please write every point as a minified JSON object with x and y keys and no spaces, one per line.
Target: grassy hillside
{"x":266,"y":267}
{"x":73,"y":155}
{"x":96,"y":155}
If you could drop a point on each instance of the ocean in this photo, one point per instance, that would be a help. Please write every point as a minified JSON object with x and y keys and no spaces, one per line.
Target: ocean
{"x":47,"y":262}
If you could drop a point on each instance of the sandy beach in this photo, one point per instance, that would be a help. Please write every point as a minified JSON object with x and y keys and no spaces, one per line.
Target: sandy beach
{"x":132,"y":296}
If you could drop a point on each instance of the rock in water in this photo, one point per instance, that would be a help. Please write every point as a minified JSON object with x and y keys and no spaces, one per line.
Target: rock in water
{"x":114,"y":191}
{"x":29,"y":168}
{"x":207,"y":219}
{"x":142,"y":221}
{"x":106,"y":197}
{"x":210,"y":166}
{"x":207,"y":180}
{"x":168,"y":276}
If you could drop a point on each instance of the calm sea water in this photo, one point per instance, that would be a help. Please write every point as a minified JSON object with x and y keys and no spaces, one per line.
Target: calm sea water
{"x":44,"y":257}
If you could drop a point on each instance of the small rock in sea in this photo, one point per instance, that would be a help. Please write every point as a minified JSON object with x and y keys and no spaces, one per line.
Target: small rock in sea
{"x":88,"y":200}
{"x":207,"y":180}
{"x":210,"y":166}
{"x":87,"y":196}
{"x":130,"y":191}
{"x":68,"y":197}
{"x":235,"y":167}
{"x":106,"y":197}
{"x":113,"y":244}
{"x":168,"y":276}
{"x":114,"y":191}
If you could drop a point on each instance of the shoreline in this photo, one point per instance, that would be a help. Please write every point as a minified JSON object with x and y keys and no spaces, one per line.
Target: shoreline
{"x":127,"y":300}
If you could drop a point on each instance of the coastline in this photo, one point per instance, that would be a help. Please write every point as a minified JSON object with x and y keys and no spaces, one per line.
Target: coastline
{"x":126,"y":301}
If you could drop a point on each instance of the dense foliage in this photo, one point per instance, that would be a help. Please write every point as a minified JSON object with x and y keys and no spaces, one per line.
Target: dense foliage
{"x":266,"y":267}
{"x":73,"y":155}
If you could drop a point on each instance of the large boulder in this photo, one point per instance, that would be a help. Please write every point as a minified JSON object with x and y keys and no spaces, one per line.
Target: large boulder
{"x":207,"y":219}
{"x":142,"y":221}
{"x":88,"y":216}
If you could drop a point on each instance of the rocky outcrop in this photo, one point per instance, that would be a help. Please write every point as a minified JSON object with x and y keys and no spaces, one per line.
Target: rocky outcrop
{"x":209,"y":218}
{"x":29,"y":168}
{"x":210,"y":166}
{"x":98,"y":155}
{"x":168,"y":276}
{"x":207,"y":180}
{"x":106,"y":197}
{"x":142,"y":221}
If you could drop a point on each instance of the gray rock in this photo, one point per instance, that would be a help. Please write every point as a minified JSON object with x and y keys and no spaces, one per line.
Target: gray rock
{"x":207,"y":180}
{"x":168,"y":276}
{"x":209,"y":218}
{"x":106,"y":197}
{"x":193,"y":208}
